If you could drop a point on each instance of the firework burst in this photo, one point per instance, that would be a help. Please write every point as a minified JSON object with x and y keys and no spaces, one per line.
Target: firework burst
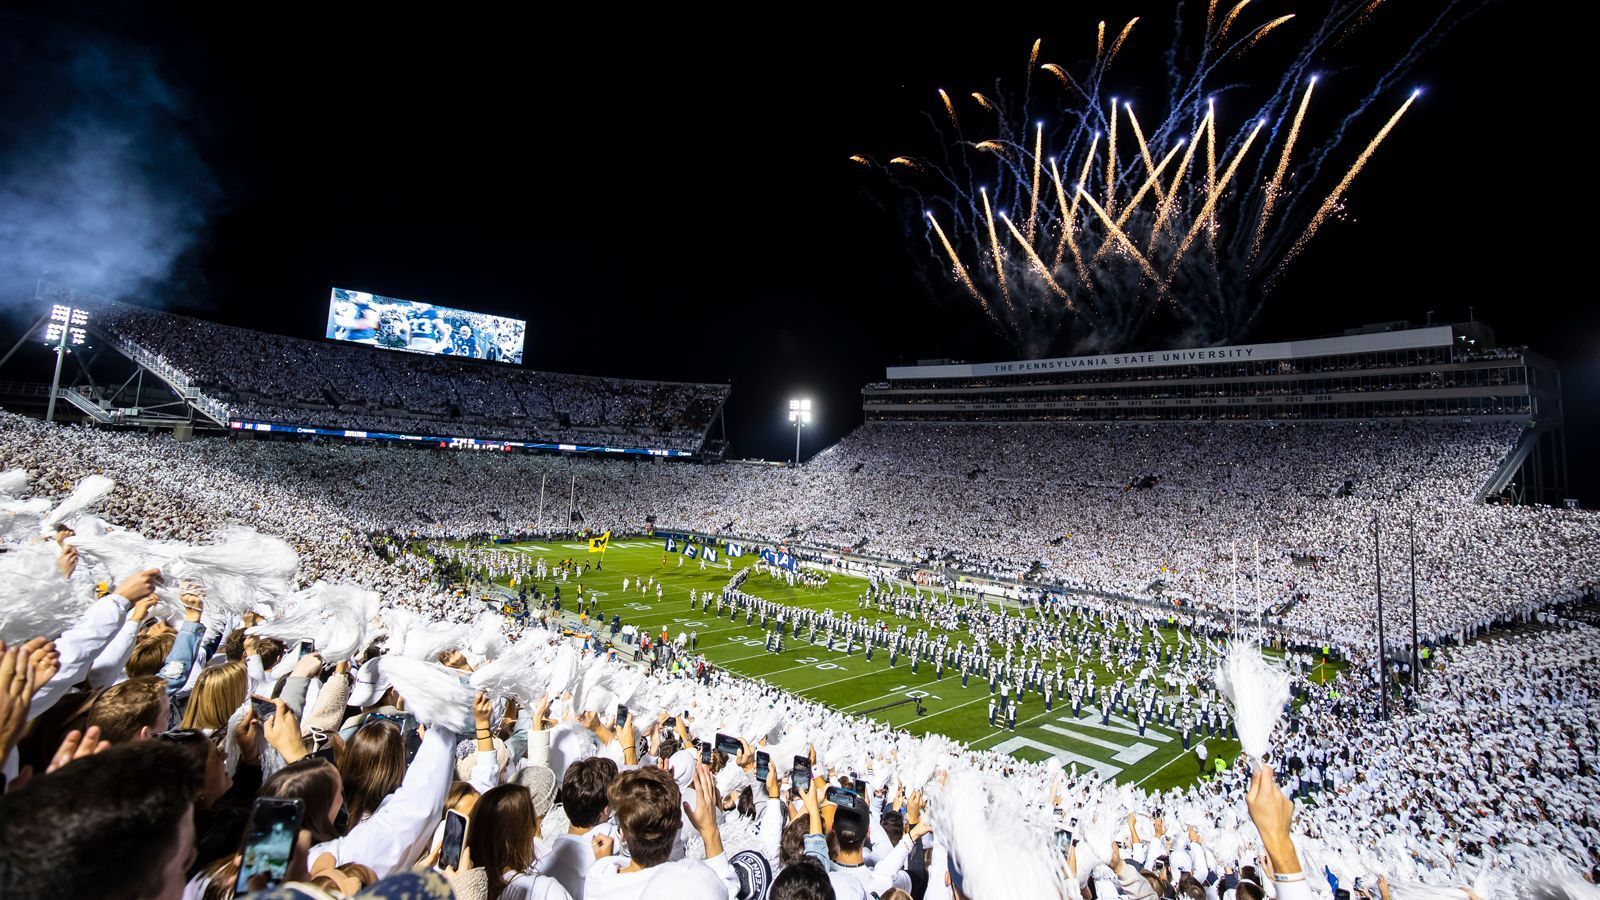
{"x":1188,"y":225}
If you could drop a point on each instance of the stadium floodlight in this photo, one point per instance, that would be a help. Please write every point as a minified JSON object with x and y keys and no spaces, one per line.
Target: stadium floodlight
{"x":67,"y":327}
{"x":800,"y":415}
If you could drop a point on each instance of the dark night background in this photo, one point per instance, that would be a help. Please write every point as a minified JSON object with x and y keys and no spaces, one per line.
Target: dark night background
{"x":670,"y":197}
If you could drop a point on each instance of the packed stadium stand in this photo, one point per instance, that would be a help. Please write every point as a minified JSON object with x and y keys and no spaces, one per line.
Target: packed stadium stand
{"x":248,"y":378}
{"x":1444,"y":373}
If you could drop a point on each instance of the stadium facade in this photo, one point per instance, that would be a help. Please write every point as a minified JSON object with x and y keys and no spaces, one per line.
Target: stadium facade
{"x":1389,"y":371}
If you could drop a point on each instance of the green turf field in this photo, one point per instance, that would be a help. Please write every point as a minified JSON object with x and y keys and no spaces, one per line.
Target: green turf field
{"x":1155,"y":760}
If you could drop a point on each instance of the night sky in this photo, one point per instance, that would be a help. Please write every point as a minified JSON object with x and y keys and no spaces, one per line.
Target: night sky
{"x":660,"y":199}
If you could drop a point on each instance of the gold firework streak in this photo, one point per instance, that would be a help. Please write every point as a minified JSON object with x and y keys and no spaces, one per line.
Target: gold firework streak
{"x":1066,"y":80}
{"x":983,"y":101}
{"x":1153,"y":182}
{"x":1344,"y":183}
{"x":994,"y":245}
{"x":1209,"y":209}
{"x":1270,"y":195}
{"x":908,"y":162}
{"x":1227,"y":21}
{"x":1067,"y":224}
{"x":1099,"y":42}
{"x":1211,"y":148}
{"x":1033,"y":55}
{"x":992,"y":147}
{"x":961,"y":271}
{"x":1144,"y":151}
{"x":1083,"y":176}
{"x":1122,"y":236}
{"x":1111,"y":159}
{"x":858,"y":158}
{"x":1172,"y":190}
{"x":1033,"y":199}
{"x":1038,"y":264}
{"x":1117,"y":44}
{"x":950,"y":108}
{"x":1263,"y":30}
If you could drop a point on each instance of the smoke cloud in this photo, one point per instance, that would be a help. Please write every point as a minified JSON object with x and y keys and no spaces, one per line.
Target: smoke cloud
{"x":102,"y":185}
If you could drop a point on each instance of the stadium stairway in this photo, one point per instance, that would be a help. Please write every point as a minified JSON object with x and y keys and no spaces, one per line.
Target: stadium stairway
{"x":1512,"y":464}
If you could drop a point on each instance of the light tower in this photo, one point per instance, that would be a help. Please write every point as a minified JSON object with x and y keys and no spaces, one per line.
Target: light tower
{"x":800,"y":415}
{"x":67,"y":328}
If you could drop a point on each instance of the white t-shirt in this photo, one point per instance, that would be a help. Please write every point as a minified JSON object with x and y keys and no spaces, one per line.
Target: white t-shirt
{"x":570,"y":858}
{"x":529,"y":886}
{"x":684,"y":879}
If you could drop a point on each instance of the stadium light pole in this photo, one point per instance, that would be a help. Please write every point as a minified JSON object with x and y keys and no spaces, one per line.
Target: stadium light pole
{"x":67,"y":326}
{"x":1377,"y":569}
{"x":800,"y":415}
{"x":1416,"y":653}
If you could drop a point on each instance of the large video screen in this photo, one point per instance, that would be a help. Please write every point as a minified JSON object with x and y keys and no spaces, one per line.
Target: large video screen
{"x":377,"y":321}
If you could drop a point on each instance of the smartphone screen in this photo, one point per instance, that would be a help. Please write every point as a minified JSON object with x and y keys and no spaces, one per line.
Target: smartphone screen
{"x":705,"y":753}
{"x":622,"y":716}
{"x":763,"y":766}
{"x":861,"y":788}
{"x":671,"y":723}
{"x":410,"y":738}
{"x":729,"y":745}
{"x":455,"y":834}
{"x":263,"y":708}
{"x":306,"y":646}
{"x":840,"y":796}
{"x":268,"y":843}
{"x":801,"y":776}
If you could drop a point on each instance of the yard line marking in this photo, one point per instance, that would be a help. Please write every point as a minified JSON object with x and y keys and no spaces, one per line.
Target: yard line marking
{"x":1123,"y":752}
{"x":838,"y":681}
{"x":942,"y":712}
{"x":1001,"y":731}
{"x":1169,"y":762}
{"x":1104,"y":770}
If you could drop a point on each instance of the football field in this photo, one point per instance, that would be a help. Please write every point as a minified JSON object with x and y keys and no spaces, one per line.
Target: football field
{"x":850,"y":683}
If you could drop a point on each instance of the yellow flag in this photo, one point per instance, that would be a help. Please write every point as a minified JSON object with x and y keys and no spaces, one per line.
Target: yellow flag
{"x":598,"y":545}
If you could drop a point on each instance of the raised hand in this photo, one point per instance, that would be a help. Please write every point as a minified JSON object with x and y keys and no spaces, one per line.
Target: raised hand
{"x":283,"y":733}
{"x":1273,"y":814}
{"x":138,"y":585}
{"x":307,"y":666}
{"x":43,"y":663}
{"x":14,"y":696}
{"x":77,"y":745}
{"x":67,"y":561}
{"x":248,"y":736}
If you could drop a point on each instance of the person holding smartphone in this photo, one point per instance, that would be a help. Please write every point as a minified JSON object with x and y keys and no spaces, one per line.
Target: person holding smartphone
{"x":269,"y":845}
{"x":500,"y":839}
{"x":397,"y":832}
{"x":583,"y":799}
{"x":650,"y":813}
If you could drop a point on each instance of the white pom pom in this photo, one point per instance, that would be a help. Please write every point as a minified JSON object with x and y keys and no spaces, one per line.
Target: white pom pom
{"x":432,"y":693}
{"x":19,"y":519}
{"x":35,"y":599}
{"x":350,"y":610}
{"x":519,"y":673}
{"x":993,"y":846}
{"x":13,"y":482}
{"x":1257,"y":692}
{"x":89,"y":492}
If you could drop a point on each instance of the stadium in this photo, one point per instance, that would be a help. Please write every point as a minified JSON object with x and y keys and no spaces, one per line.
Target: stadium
{"x":371,"y":601}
